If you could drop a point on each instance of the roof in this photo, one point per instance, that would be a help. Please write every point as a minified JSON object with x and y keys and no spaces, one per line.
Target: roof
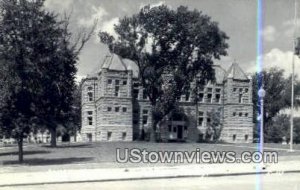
{"x":235,"y":72}
{"x":115,"y":62}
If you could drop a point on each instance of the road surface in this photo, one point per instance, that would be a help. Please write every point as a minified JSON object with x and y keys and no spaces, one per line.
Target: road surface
{"x":249,"y":182}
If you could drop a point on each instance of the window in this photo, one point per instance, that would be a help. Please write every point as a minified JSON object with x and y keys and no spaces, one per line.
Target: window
{"x":241,"y":90}
{"x":187,"y":97}
{"x":124,"y":109}
{"x":145,"y":119}
{"x":90,"y":96}
{"x":174,"y":129}
{"x":234,"y":137}
{"x":201,"y":95}
{"x":234,"y":114}
{"x":109,"y":81}
{"x":246,"y":90}
{"x":108,"y":108}
{"x":117,"y":82}
{"x":246,"y":114}
{"x":117,"y":89}
{"x":117,"y":109}
{"x":90,"y":112}
{"x":185,"y":127}
{"x":208,"y":120}
{"x":218,"y":98}
{"x":246,"y":137}
{"x":218,"y":90}
{"x":240,"y":98}
{"x":109,"y":134}
{"x":200,"y":118}
{"x":218,"y":95}
{"x":209,"y":98}
{"x":170,"y":128}
{"x":135,"y":93}
{"x":124,"y":82}
{"x":209,"y":89}
{"x":234,"y":89}
{"x":90,"y":120}
{"x":90,"y":88}
{"x":135,"y":122}
{"x":144,"y":94}
{"x":123,"y":136}
{"x":240,"y":114}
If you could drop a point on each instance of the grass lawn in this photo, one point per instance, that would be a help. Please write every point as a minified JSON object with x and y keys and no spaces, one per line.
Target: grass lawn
{"x":103,"y":154}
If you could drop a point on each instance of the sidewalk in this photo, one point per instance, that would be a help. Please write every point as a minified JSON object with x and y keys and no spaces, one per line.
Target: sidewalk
{"x":119,"y":174}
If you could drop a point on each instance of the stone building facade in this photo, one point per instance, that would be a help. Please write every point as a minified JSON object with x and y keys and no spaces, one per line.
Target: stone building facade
{"x":114,"y":107}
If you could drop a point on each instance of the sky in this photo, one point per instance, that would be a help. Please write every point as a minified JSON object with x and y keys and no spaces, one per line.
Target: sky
{"x":238,"y":18}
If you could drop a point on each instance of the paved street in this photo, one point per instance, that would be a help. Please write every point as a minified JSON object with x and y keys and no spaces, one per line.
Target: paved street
{"x":250,"y":182}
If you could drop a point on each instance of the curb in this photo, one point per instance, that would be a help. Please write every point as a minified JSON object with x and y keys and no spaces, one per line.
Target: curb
{"x":147,"y":178}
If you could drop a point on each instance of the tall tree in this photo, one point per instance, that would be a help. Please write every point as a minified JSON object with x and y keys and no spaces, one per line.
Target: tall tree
{"x":40,"y":59}
{"x":170,"y":47}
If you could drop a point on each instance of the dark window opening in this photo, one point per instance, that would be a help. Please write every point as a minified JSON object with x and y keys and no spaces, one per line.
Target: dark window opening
{"x":145,"y":95}
{"x":170,"y":128}
{"x":209,"y":98}
{"x":117,"y":89}
{"x":145,"y":119}
{"x":174,"y":129}
{"x":90,"y":95}
{"x":234,"y":137}
{"x":218,"y":98}
{"x":208,"y":120}
{"x":117,"y":109}
{"x":124,"y":109}
{"x":187,"y":97}
{"x":109,"y":134}
{"x":135,"y":93}
{"x":123,"y":136}
{"x":201,"y":97}
{"x":90,"y":120}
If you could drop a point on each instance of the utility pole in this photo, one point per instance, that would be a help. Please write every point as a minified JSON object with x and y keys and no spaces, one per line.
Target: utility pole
{"x":293,"y":79}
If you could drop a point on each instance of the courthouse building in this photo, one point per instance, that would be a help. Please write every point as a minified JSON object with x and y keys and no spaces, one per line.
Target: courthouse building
{"x":115,"y":108}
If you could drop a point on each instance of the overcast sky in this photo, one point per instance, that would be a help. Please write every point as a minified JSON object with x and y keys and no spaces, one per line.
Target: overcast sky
{"x":236,"y":17}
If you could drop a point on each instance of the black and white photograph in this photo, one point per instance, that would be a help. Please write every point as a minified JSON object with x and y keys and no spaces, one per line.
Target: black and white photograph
{"x":150,"y":94}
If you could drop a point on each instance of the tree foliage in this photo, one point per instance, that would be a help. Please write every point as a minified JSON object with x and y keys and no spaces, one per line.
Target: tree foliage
{"x":40,"y":57}
{"x":215,"y":126}
{"x":170,"y":47}
{"x":278,"y":96}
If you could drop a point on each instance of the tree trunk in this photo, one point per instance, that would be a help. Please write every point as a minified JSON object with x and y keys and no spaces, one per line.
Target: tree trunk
{"x":20,"y":146}
{"x":75,"y":134}
{"x":53,"y":137}
{"x":153,"y":136}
